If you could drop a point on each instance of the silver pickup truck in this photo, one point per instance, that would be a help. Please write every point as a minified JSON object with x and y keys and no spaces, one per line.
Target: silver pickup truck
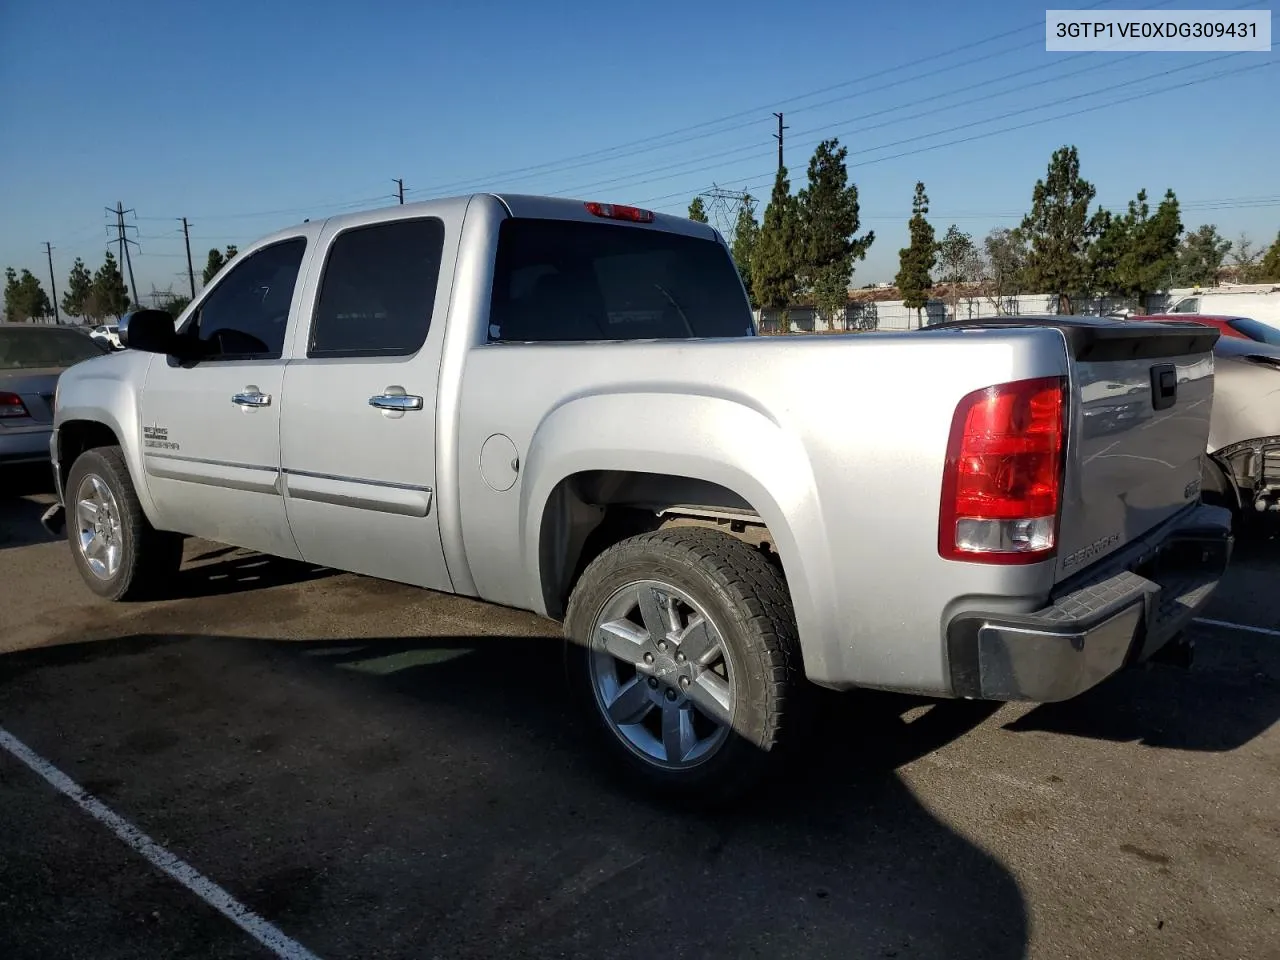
{"x":564,"y":407}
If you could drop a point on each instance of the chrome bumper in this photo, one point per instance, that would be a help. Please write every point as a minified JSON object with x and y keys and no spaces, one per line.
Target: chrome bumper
{"x":1118,"y":613}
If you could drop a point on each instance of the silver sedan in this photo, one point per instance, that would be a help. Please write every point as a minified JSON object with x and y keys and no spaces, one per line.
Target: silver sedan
{"x":32,"y":357}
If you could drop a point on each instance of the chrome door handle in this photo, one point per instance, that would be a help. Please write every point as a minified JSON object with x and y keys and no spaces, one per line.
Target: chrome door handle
{"x":396,"y":401}
{"x":252,"y":397}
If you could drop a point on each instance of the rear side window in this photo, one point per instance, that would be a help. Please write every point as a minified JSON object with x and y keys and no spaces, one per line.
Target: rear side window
{"x":564,"y":280}
{"x":1190,"y":305}
{"x":1257,"y":331}
{"x":36,"y":346}
{"x":378,"y":290}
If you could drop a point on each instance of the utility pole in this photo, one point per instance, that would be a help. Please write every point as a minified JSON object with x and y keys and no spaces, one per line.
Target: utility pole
{"x":399,"y":182}
{"x":191,"y":273}
{"x":53,"y":284}
{"x":778,"y":136}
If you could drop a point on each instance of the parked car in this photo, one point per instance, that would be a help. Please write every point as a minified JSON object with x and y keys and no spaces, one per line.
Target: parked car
{"x":32,"y":356}
{"x":109,"y":334}
{"x":1241,"y":328}
{"x":562,"y":407}
{"x":1263,"y":307}
{"x":1244,"y":434}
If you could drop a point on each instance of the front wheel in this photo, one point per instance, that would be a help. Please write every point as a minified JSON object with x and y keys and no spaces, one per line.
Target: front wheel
{"x":117,"y":551}
{"x":682,"y":651}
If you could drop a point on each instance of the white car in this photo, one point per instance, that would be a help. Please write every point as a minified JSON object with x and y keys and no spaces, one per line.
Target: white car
{"x":107,"y":333}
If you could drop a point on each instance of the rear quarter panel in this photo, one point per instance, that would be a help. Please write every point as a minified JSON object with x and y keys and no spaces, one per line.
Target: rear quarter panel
{"x":837,"y":442}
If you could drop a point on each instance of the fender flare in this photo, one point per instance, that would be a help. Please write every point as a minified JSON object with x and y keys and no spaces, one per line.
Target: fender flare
{"x":722,"y":439}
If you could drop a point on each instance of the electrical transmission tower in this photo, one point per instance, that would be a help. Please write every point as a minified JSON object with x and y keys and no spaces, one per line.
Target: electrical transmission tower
{"x":123,"y":240}
{"x":724,"y":207}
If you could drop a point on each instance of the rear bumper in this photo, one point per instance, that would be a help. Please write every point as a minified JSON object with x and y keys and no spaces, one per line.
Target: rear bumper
{"x":1117,"y":613}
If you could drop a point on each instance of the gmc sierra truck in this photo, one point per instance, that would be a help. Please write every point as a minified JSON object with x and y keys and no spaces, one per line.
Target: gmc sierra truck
{"x":564,"y":407}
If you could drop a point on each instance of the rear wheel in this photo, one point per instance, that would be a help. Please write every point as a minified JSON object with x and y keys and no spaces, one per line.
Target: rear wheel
{"x":117,"y":551}
{"x":682,"y":651}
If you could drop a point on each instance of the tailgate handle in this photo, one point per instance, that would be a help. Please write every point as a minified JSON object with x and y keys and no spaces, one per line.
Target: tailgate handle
{"x":1164,"y":386}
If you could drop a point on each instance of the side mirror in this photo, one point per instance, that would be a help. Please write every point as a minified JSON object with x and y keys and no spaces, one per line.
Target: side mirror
{"x":149,"y":330}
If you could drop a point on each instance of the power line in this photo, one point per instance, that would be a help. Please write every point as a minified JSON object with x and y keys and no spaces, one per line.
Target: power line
{"x":757,"y":180}
{"x":897,"y":118}
{"x":653,"y":142}
{"x":841,"y":124}
{"x":764,"y":178}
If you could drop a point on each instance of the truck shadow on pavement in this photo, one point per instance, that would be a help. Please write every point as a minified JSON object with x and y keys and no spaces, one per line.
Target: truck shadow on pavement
{"x":1230,"y":696}
{"x":435,"y":796}
{"x":20,"y":523}
{"x":216,"y":571}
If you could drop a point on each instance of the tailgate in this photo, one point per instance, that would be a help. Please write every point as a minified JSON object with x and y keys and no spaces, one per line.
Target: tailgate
{"x":1142,"y":394}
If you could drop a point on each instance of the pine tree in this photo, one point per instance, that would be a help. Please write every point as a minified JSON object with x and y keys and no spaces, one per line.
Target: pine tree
{"x":24,"y":297}
{"x":1135,"y":254}
{"x":915,"y":262}
{"x":1269,"y":268}
{"x":1106,"y":251}
{"x":216,"y":261}
{"x":75,"y":300}
{"x":1148,"y":263}
{"x":110,"y":295}
{"x":1058,"y":229}
{"x":698,"y":210}
{"x":828,"y":220}
{"x":774,"y":261}
{"x":746,"y":236}
{"x":1201,"y":256}
{"x":12,"y":295}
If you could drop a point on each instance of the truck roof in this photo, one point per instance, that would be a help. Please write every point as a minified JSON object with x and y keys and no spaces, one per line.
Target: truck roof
{"x":517,"y":204}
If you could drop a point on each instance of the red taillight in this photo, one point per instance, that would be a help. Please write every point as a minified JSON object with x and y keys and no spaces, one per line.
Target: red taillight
{"x":11,"y":405}
{"x":1002,"y":482}
{"x":616,"y":211}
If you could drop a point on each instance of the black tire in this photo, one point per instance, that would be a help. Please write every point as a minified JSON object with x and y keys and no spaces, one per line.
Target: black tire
{"x":747,"y":598}
{"x":150,"y":558}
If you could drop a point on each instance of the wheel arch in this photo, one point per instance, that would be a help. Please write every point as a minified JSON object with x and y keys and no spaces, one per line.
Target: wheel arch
{"x":633,"y":457}
{"x":92,"y":408}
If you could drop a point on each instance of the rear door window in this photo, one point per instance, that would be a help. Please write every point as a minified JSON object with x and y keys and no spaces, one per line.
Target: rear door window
{"x":562,"y":280}
{"x":1257,"y":331}
{"x":378,"y":290}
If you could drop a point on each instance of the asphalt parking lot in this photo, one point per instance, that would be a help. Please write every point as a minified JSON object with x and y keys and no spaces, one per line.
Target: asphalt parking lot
{"x":378,"y":771}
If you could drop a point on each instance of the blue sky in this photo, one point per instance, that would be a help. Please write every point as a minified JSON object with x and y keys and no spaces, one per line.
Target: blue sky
{"x":246,"y":117}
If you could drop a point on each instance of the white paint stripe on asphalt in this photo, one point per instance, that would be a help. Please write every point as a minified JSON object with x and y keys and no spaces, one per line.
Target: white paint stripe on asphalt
{"x":204,"y":888}
{"x":1265,"y":631}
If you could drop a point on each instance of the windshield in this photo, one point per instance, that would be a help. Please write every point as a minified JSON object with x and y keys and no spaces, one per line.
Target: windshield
{"x":1257,"y":331}
{"x":35,"y":348}
{"x":567,"y":280}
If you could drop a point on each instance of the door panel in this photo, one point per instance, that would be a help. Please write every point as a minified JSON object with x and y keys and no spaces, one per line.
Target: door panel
{"x":211,"y":427}
{"x":358,"y":424}
{"x":213,"y":468}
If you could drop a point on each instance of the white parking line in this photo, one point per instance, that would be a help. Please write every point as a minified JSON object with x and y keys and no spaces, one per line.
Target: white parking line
{"x":204,"y":888}
{"x":1265,"y":631}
